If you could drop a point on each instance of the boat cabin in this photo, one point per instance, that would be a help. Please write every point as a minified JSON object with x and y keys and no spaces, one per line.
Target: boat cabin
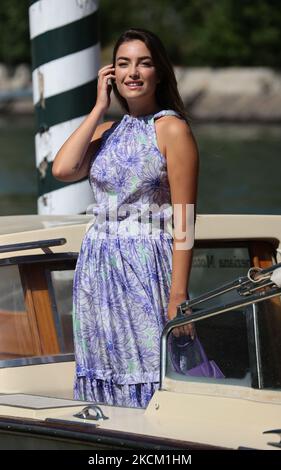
{"x":37,"y":261}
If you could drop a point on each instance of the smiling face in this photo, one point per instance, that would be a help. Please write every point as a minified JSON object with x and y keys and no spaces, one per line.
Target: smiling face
{"x":135,"y":72}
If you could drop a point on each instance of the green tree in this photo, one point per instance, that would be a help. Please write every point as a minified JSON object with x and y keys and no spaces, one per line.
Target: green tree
{"x":195,"y":32}
{"x":14,"y":31}
{"x":203,"y":32}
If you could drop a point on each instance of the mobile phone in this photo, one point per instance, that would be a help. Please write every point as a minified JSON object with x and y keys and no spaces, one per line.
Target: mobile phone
{"x":111,"y":81}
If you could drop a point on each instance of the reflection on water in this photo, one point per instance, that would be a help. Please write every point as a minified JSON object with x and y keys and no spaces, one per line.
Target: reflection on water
{"x":18,"y":181}
{"x":240,"y":167}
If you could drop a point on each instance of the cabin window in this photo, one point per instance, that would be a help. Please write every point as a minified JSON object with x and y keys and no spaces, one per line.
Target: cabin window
{"x":36,"y":310}
{"x":244,"y":343}
{"x":61,"y":293}
{"x":268,"y":327}
{"x":225,"y":337}
{"x":15,"y":331}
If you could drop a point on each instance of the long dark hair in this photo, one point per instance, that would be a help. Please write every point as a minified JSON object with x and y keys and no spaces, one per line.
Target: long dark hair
{"x":167,"y":94}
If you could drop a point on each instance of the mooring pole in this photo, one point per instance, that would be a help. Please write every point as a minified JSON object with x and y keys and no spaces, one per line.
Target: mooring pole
{"x":65,"y":61}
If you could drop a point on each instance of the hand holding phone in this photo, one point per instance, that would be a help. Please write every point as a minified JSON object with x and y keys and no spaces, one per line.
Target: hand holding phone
{"x":106,"y":80}
{"x":111,"y":81}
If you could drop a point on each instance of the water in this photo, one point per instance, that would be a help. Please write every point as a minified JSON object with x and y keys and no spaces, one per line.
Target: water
{"x":240,"y":167}
{"x":18,"y":179}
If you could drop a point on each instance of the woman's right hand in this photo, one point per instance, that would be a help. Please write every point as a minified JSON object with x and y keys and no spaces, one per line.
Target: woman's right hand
{"x":189,"y":328}
{"x":104,"y":88}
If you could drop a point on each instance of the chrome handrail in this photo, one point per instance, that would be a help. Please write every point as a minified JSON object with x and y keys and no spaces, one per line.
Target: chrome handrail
{"x":181,"y":319}
{"x":244,"y":285}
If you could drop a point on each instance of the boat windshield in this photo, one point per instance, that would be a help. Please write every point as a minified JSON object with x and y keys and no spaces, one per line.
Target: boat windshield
{"x":238,"y":347}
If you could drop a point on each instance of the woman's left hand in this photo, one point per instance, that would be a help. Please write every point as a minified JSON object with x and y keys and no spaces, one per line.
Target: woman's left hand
{"x":188,"y":329}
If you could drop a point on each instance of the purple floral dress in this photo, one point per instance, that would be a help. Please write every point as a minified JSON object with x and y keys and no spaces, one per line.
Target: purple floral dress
{"x":123,"y":275}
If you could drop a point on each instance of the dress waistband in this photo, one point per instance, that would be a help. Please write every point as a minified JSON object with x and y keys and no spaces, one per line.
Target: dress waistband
{"x":137,"y":222}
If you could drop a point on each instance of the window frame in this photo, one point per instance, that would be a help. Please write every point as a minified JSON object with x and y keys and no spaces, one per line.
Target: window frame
{"x":33,"y":269}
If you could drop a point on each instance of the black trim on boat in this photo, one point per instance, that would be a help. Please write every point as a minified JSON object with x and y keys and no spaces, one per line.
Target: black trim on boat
{"x":39,"y":258}
{"x":32,"y":245}
{"x":67,"y":433}
{"x":35,"y":360}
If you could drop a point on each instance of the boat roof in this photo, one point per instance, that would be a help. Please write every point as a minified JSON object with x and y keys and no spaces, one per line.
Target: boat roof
{"x":228,"y":227}
{"x":27,"y":223}
{"x":32,"y":228}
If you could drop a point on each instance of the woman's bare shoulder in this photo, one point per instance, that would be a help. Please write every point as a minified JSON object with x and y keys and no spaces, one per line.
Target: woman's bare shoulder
{"x":173,"y":126}
{"x":172,"y":129}
{"x":101,"y":129}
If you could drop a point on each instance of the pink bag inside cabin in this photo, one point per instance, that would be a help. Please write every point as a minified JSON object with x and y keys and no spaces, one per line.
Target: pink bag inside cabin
{"x":189,"y":358}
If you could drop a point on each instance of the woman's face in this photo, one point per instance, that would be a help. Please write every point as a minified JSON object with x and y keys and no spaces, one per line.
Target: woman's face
{"x":135,"y":71}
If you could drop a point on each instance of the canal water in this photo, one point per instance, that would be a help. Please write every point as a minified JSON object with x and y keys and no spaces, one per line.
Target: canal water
{"x":240,"y":167}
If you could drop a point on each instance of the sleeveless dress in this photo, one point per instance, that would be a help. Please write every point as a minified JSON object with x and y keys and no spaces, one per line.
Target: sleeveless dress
{"x":123,"y":273}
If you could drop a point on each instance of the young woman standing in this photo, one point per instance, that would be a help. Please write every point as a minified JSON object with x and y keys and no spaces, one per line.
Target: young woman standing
{"x":129,"y":280}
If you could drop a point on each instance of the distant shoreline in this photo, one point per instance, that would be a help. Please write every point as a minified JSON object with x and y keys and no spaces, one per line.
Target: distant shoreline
{"x":233,"y":94}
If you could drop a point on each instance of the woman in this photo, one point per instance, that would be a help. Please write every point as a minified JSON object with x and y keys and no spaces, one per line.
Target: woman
{"x":131,"y":273}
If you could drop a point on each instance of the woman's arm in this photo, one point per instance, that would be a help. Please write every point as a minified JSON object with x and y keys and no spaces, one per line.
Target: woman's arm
{"x":183,"y":166}
{"x":72,"y":160}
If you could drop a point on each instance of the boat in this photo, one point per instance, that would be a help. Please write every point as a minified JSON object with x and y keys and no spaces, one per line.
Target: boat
{"x":235,"y":299}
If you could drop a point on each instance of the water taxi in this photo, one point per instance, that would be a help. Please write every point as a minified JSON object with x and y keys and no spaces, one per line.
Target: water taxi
{"x":235,"y":299}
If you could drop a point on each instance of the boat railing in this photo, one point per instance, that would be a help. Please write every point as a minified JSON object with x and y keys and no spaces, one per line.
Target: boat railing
{"x":259,"y":285}
{"x":43,"y":244}
{"x":37,"y":360}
